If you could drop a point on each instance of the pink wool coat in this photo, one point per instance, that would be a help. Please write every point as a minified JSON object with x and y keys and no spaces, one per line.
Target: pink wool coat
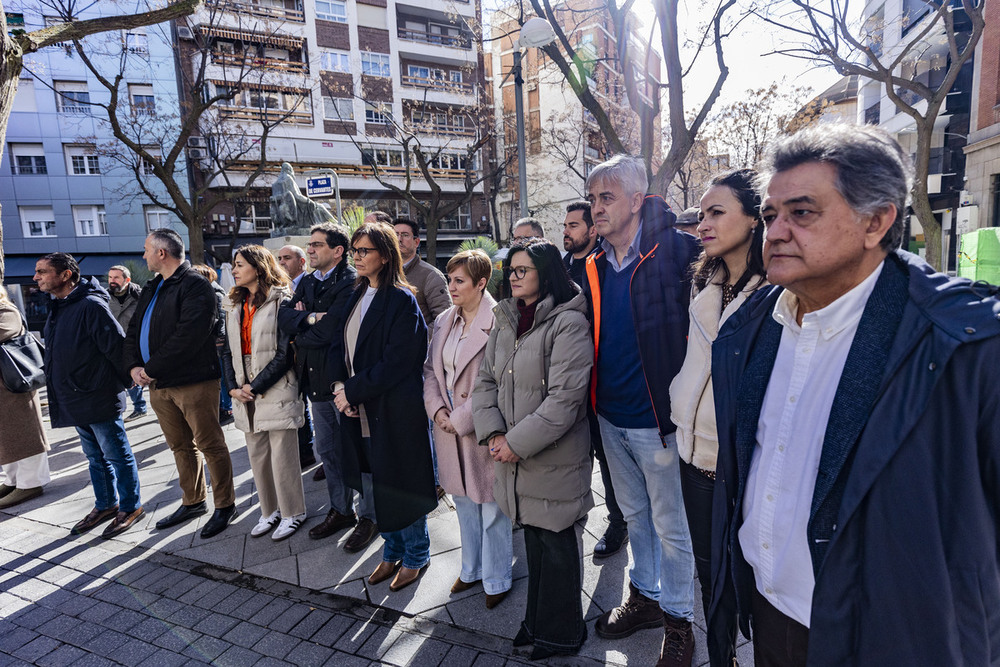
{"x":464,"y":467}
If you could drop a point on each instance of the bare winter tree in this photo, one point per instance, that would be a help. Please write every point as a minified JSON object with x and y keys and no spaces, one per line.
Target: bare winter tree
{"x":938,"y":38}
{"x":233,"y":114}
{"x":14,"y":47}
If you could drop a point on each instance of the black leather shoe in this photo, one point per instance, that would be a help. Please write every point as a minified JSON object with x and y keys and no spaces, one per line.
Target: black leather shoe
{"x":612,"y":542}
{"x":222,"y":517}
{"x":182,"y":514}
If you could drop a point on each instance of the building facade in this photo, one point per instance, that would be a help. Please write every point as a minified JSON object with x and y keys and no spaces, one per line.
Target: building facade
{"x":982,"y":154}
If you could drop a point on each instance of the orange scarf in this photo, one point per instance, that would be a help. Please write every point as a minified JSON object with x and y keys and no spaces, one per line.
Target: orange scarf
{"x":246,"y":326}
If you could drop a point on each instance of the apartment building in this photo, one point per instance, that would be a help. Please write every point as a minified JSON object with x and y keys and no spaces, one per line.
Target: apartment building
{"x":355,"y":87}
{"x":563,"y":140}
{"x":58,"y":188}
{"x":982,"y":153}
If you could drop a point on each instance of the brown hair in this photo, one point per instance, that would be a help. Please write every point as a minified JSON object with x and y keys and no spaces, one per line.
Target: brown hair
{"x":269,"y":274}
{"x":383,"y":237}
{"x":204,"y":269}
{"x":476,"y":263}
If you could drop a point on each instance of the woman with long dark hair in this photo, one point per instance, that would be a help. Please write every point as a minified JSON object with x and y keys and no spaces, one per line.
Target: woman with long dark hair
{"x":257,"y":362}
{"x":379,"y":388}
{"x":529,"y":406}
{"x":728,"y":271}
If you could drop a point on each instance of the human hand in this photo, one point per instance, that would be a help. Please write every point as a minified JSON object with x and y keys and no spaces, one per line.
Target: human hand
{"x":443,"y":419}
{"x":300,"y":306}
{"x":139,"y":376}
{"x":501,"y":451}
{"x":342,"y":404}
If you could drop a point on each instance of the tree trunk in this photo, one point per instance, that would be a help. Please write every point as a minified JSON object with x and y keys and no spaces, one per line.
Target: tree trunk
{"x":921,"y":200}
{"x":10,"y":72}
{"x":196,"y":243}
{"x":431,"y":239}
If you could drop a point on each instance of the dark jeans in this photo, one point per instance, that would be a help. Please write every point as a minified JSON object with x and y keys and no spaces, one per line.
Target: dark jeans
{"x":138,"y":400}
{"x":553,"y":617}
{"x":698,"y":490}
{"x":615,"y":516}
{"x":778,"y":641}
{"x":306,"y":434}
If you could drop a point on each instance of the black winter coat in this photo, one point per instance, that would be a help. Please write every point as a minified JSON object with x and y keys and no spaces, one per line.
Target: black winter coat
{"x":388,"y":366}
{"x":182,"y":332}
{"x":313,"y":343}
{"x":83,"y":347}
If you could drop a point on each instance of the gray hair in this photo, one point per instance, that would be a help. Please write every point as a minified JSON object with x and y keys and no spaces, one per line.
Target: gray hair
{"x":536,"y":226}
{"x":872,"y":169}
{"x":123,"y":269}
{"x":626,"y":170}
{"x":168,"y":240}
{"x":295,"y":249}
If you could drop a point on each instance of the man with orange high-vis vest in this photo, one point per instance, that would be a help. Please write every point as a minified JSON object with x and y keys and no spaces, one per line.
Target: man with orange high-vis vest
{"x":638,"y":287}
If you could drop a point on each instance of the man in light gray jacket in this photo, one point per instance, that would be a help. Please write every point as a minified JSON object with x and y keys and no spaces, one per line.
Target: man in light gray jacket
{"x":124,"y":298}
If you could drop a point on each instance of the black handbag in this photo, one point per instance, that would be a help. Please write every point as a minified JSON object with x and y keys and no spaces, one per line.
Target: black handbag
{"x":22,"y":362}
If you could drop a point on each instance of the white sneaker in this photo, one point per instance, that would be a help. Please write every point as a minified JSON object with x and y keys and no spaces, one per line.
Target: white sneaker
{"x":287,"y":527}
{"x":265,"y":524}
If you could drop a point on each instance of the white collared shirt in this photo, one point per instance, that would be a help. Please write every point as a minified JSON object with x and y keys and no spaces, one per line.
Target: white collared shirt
{"x":296,"y":280}
{"x":790,"y":434}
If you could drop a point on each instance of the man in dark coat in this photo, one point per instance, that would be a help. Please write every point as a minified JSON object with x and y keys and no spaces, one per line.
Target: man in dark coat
{"x":637,"y":286}
{"x":87,"y":389}
{"x":858,"y":486}
{"x":315,"y":318}
{"x":124,"y":298}
{"x":170,"y":347}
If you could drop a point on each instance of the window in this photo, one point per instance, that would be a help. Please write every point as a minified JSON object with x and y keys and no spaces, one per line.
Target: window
{"x":24,"y":100}
{"x":335,"y":61}
{"x":459,"y":220}
{"x":143,"y":101}
{"x":28,"y":159}
{"x":338,"y":108}
{"x":147,"y":167}
{"x":419,"y":72}
{"x":455,"y":76}
{"x":90,"y":221}
{"x":37,"y":221}
{"x":156,"y":218}
{"x":331,"y":10}
{"x":72,"y":97}
{"x":279,"y":100}
{"x":377,"y":114}
{"x":81,"y":160}
{"x":375,"y":64}
{"x":136,"y":42}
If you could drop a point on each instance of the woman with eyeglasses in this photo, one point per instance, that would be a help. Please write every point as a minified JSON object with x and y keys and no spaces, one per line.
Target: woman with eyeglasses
{"x":529,"y":407}
{"x":465,"y":469}
{"x":257,"y":363}
{"x":379,"y":388}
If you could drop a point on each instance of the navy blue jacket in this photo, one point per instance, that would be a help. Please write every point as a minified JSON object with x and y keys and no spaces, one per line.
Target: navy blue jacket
{"x":907,"y":560}
{"x":660,"y":289}
{"x":83,"y":348}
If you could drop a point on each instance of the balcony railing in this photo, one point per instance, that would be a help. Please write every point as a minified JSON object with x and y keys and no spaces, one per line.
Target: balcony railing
{"x":456,"y":41}
{"x":241,"y":60}
{"x":75,"y":109}
{"x":438,"y":84}
{"x":444,"y":130}
{"x":361,"y":171}
{"x":269,"y":115}
{"x":262,"y":11}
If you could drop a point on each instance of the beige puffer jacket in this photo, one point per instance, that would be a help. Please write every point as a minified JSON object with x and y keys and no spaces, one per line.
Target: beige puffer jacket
{"x":534,"y":390}
{"x":279,"y":407}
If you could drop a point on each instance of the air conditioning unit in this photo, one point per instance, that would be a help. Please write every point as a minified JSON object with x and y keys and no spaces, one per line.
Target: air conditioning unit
{"x":185,"y":32}
{"x":197,"y":153}
{"x":197,"y":142}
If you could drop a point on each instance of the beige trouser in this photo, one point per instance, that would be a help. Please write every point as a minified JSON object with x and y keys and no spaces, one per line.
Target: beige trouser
{"x":274,"y":459}
{"x":189,"y":417}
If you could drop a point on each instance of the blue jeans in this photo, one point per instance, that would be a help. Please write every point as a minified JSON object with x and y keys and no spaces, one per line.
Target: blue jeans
{"x":647,"y":480}
{"x":113,"y":471}
{"x":487,"y":544}
{"x":412,"y":545}
{"x":138,"y":400}
{"x":330,"y":447}
{"x":225,"y":400}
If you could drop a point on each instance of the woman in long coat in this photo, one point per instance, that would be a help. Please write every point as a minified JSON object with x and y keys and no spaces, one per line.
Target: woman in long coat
{"x":379,"y":389}
{"x":22,"y":440}
{"x":465,"y":469}
{"x":529,"y":405}
{"x":257,"y":364}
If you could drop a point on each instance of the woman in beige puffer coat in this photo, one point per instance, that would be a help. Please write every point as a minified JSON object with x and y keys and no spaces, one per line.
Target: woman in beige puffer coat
{"x":529,"y":406}
{"x":257,"y":360}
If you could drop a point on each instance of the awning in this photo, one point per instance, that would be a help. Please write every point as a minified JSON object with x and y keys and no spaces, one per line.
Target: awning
{"x":98,"y":265}
{"x":253,"y":37}
{"x":19,"y":267}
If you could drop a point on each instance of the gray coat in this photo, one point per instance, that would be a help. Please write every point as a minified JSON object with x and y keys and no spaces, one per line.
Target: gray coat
{"x":432,"y":289}
{"x":534,"y":390}
{"x":123,"y":307}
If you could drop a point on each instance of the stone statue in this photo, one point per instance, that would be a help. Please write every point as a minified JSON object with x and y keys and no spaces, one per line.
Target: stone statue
{"x":290,"y":208}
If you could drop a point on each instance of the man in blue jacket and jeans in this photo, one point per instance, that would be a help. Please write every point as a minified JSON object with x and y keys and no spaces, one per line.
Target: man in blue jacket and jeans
{"x":638,"y":288}
{"x":83,"y":346}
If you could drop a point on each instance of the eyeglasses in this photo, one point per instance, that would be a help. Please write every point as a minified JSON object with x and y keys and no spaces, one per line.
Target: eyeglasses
{"x":362,"y":252}
{"x":318,"y":244}
{"x":404,"y":236}
{"x":518,"y":272}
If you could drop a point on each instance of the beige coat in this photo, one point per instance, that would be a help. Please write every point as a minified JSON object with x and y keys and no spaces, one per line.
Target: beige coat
{"x":534,"y":390}
{"x":21,"y":435}
{"x":692,"y":404}
{"x":280,"y":407}
{"x":464,"y":467}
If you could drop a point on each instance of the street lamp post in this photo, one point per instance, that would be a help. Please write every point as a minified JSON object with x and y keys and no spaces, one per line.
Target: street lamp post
{"x":535,"y":32}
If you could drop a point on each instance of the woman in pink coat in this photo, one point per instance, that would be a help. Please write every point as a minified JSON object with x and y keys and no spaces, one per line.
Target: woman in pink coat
{"x":465,"y":469}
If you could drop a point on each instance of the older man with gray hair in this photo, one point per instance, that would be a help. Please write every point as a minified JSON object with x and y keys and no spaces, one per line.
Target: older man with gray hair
{"x":858,"y":482}
{"x":638,"y":285}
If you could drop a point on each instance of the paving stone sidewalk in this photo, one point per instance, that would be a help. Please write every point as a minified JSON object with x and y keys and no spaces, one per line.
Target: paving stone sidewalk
{"x":238,"y":600}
